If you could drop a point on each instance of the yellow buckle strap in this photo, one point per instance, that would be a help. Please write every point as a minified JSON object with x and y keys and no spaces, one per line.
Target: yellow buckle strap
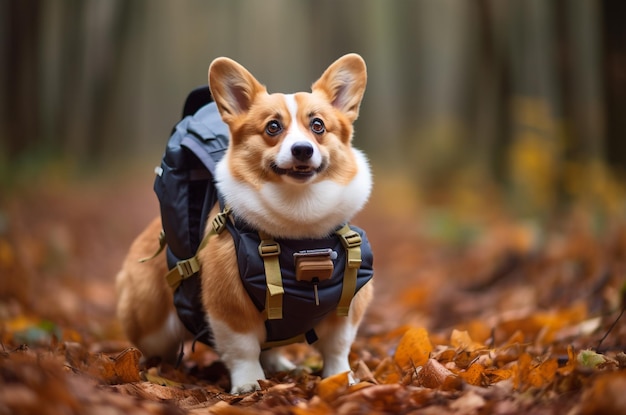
{"x":351,"y":241}
{"x":162,"y":244}
{"x":186,"y":268}
{"x":269,"y":251}
{"x":218,"y":224}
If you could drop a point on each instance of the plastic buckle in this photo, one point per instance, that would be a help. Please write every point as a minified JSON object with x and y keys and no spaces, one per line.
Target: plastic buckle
{"x":351,"y":240}
{"x":187,"y":267}
{"x":219,"y":221}
{"x":269,"y":248}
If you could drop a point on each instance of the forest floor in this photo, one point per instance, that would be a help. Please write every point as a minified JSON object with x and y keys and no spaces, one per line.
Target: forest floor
{"x":475,"y":312}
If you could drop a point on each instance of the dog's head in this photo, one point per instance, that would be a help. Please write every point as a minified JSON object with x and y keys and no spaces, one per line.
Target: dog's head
{"x":295,"y":148}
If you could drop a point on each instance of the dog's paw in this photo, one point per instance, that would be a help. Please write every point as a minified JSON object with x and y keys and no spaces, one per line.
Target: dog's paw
{"x":245,"y":388}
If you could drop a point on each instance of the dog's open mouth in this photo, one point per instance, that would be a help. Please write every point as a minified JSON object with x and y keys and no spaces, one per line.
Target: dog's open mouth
{"x":299,"y":172}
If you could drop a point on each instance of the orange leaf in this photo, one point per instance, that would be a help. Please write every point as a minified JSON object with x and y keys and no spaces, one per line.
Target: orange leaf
{"x":473,"y":375}
{"x":498,"y":375}
{"x":315,"y":406}
{"x":333,"y":386}
{"x":544,"y":373}
{"x":122,"y":368}
{"x":387,"y":372}
{"x":529,"y":374}
{"x":414,"y":348}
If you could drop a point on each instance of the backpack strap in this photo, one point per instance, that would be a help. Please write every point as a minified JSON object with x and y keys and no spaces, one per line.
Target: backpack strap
{"x":351,"y":241}
{"x":269,"y":250}
{"x":309,"y":337}
{"x":188,"y":267}
{"x":162,"y":243}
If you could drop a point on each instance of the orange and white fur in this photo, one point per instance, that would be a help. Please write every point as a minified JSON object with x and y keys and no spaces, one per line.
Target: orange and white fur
{"x":290,"y":171}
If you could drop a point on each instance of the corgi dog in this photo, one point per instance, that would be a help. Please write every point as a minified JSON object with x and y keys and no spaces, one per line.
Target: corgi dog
{"x":290,"y":171}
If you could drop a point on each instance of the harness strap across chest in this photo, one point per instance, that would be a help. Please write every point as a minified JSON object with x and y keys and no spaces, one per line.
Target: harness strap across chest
{"x":269,"y":250}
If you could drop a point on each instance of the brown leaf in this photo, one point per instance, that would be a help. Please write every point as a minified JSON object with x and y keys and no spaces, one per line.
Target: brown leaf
{"x":468,"y":403}
{"x":606,"y":396}
{"x":434,"y":375}
{"x":123,"y":368}
{"x":363,"y":373}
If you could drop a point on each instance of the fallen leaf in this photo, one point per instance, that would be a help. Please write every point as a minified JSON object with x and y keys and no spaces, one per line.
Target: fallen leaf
{"x":434,"y":375}
{"x":414,"y":348}
{"x":590,"y":359}
{"x":606,"y":395}
{"x":531,"y":374}
{"x":468,"y":403}
{"x":387,"y":371}
{"x":152,"y":376}
{"x":332,"y":386}
{"x":462,"y":341}
{"x":363,"y":374}
{"x":123,"y":368}
{"x":473,"y":374}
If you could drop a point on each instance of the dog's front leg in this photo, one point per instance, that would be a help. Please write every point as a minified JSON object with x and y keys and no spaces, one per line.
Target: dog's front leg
{"x":240,"y":352}
{"x":336,"y":335}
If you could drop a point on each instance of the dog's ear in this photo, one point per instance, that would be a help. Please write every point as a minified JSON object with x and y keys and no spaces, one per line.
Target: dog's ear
{"x":343,"y":83}
{"x":233,"y":87}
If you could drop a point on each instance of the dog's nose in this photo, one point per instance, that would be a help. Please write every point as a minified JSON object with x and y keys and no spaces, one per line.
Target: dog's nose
{"x":302,"y":150}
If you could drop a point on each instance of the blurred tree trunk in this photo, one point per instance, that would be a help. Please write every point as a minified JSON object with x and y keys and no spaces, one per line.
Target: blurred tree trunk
{"x":490,"y":127}
{"x":535,"y":153}
{"x":519,"y":88}
{"x":614,"y":72}
{"x":97,"y":30}
{"x":20,"y":23}
{"x":581,"y":70}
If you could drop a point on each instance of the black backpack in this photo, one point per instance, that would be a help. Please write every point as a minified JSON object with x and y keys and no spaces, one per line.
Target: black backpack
{"x":185,"y":180}
{"x":185,"y":187}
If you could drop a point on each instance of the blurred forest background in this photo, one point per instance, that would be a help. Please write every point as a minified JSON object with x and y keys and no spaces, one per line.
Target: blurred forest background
{"x":497,"y":134}
{"x":527,"y":96}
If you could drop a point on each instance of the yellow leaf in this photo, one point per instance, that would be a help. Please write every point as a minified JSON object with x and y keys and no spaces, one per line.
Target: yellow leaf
{"x":153,"y":376}
{"x":414,"y":348}
{"x":461,"y":340}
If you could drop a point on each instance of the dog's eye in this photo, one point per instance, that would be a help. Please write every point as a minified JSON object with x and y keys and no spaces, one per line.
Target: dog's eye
{"x":317,"y":126}
{"x":273,"y":128}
